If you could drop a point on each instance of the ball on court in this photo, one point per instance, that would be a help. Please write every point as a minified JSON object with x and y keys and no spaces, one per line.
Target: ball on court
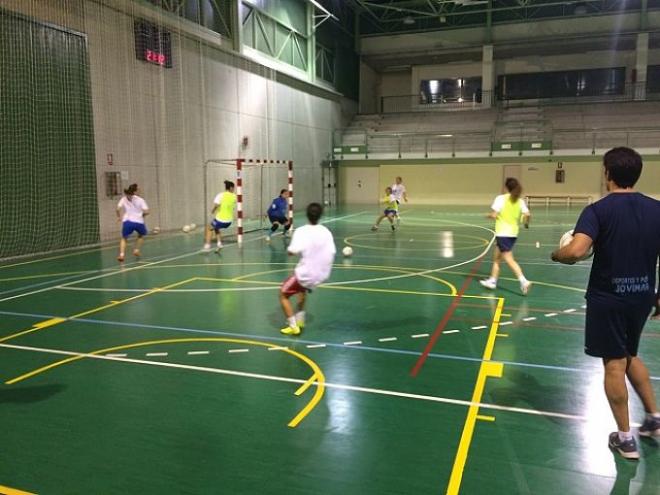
{"x":347,"y":251}
{"x":566,"y":240}
{"x":186,"y":228}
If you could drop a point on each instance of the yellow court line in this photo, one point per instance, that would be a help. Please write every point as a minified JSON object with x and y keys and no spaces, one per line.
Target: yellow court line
{"x":317,"y":374}
{"x":5,"y":490}
{"x":481,"y":417}
{"x":487,"y":368}
{"x":396,"y":269}
{"x":502,"y":334}
{"x":341,"y":287}
{"x":112,"y":304}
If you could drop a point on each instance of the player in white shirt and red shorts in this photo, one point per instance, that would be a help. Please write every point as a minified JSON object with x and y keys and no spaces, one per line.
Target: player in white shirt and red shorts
{"x":399,"y":192}
{"x":135,"y":209}
{"x":316,"y":247}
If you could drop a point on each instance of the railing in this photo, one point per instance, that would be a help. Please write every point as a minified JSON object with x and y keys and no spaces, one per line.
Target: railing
{"x":424,"y":103}
{"x":486,"y":99}
{"x":362,"y":144}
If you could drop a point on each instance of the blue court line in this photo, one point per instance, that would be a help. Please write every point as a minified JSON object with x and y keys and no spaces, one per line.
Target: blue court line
{"x":303,"y":341}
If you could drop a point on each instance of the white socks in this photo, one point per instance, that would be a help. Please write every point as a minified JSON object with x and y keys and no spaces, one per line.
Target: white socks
{"x":522,"y":279}
{"x":625,"y":435}
{"x":300,"y":317}
{"x":292,"y":322}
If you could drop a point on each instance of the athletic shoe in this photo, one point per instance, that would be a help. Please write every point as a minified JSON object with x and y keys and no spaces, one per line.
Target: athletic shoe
{"x":524,"y":288}
{"x":120,"y":258}
{"x":374,"y":228}
{"x":136,"y":253}
{"x":206,"y":248}
{"x":488,"y":284}
{"x":267,"y":237}
{"x":301,"y":324}
{"x":393,"y":228}
{"x":218,"y":247}
{"x":627,"y":448}
{"x":291,"y":330}
{"x":650,"y":428}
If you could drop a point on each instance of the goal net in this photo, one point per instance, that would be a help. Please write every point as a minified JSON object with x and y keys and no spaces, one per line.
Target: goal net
{"x":258,"y":182}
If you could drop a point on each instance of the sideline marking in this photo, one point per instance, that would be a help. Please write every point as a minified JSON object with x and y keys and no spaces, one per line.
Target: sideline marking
{"x":317,"y":377}
{"x":111,"y":304}
{"x":487,"y":369}
{"x":339,"y":386}
{"x":448,"y":314}
{"x":5,"y":490}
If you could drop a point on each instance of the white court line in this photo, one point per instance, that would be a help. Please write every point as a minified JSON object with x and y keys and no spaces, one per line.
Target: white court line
{"x":231,"y":351}
{"x":339,"y":386}
{"x":584,"y":306}
{"x":156,"y":354}
{"x":550,"y":314}
{"x":505,"y":323}
{"x":96,"y":277}
{"x":419,"y":335}
{"x":197,"y":353}
{"x":353,"y":342}
{"x":480,"y":327}
{"x":531,"y":318}
{"x":425,"y":272}
{"x":116,"y":355}
{"x":315,"y":346}
{"x":569,"y":310}
{"x":387,"y":339}
{"x":451,"y":331}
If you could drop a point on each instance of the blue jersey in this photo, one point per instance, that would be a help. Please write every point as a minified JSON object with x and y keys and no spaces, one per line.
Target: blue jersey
{"x":278,"y":208}
{"x":625,"y":228}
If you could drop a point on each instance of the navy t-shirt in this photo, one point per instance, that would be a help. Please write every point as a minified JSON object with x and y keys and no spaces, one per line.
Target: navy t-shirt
{"x":625,"y":228}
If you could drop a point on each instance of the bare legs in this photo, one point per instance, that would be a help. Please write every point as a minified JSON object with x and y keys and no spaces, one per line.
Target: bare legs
{"x":390,"y":217}
{"x":508,"y":259}
{"x":287,"y":307}
{"x":616,"y":391}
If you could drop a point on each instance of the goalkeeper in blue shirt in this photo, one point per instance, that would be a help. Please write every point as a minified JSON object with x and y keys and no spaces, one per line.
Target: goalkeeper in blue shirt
{"x":278,"y":214}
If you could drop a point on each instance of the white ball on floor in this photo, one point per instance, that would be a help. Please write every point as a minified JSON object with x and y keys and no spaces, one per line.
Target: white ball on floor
{"x":155,"y":230}
{"x":186,"y":228}
{"x":347,"y":251}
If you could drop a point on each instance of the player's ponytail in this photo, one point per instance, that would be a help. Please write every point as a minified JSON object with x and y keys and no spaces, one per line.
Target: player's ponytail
{"x":515,"y":189}
{"x":131,"y":190}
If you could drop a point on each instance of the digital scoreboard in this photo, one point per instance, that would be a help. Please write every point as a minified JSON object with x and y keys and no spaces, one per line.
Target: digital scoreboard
{"x":153,"y":44}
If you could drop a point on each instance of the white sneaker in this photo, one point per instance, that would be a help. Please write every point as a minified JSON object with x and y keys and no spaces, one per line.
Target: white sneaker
{"x":218,"y":247}
{"x":524,"y":288}
{"x":488,"y":283}
{"x":206,"y":248}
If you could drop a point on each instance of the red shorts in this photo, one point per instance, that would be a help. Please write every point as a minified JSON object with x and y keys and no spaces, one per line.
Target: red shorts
{"x":291,"y":286}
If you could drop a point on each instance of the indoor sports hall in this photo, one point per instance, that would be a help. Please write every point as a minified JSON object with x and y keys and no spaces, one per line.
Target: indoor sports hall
{"x":161,"y":368}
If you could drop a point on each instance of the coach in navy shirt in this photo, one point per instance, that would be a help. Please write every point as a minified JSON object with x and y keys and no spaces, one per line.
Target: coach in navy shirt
{"x":624,"y":230}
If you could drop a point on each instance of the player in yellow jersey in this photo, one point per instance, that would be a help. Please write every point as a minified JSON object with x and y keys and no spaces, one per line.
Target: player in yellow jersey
{"x":391,"y":209}
{"x":507,"y":211}
{"x":223,"y":214}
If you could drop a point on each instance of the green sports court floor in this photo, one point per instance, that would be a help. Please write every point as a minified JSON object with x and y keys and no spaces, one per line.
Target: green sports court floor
{"x":170,"y":376}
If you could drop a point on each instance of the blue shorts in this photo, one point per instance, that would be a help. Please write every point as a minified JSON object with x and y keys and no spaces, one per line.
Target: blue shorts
{"x":505,"y":243}
{"x":612,"y":331}
{"x":280,"y":220}
{"x":217,"y":225}
{"x":390,"y":212}
{"x":127,"y":228}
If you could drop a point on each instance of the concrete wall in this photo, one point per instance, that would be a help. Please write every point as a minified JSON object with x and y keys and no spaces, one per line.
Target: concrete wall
{"x":160,"y":125}
{"x":369,"y":87}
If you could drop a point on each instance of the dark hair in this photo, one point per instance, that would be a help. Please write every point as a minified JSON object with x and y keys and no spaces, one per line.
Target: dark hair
{"x":131,"y":189}
{"x":282,"y":191}
{"x":314,"y":212}
{"x":513,"y":186}
{"x":623,"y":166}
{"x":229,"y":185}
